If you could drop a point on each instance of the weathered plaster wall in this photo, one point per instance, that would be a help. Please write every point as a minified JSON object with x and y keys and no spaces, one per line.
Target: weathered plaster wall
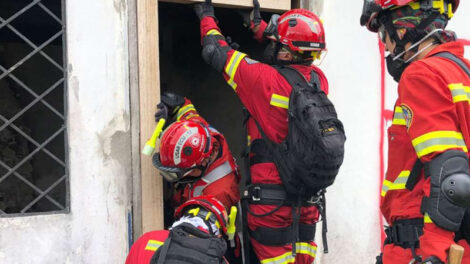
{"x":95,"y":231}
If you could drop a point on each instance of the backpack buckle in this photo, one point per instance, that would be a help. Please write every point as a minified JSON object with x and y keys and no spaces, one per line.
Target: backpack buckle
{"x":314,"y":199}
{"x":255,"y":194}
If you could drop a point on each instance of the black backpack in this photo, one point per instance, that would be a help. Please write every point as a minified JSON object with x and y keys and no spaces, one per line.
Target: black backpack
{"x":310,"y":156}
{"x":189,"y":245}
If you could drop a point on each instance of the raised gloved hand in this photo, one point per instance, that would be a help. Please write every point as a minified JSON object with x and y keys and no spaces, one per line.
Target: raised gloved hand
{"x":169,"y":105}
{"x":204,"y":9}
{"x":251,"y":19}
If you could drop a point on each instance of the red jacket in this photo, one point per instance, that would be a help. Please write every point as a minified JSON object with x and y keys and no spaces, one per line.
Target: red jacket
{"x":265,"y":94}
{"x":144,"y":248}
{"x":430,"y":117}
{"x":221,"y":177}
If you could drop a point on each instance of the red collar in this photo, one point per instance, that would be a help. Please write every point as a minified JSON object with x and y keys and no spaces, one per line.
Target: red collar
{"x":454,"y":47}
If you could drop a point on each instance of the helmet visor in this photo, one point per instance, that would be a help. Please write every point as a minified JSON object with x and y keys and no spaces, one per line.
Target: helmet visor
{"x":172,"y":174}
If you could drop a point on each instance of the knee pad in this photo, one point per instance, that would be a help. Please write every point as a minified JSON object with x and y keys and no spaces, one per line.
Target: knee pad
{"x":450,"y":189}
{"x":213,"y":53}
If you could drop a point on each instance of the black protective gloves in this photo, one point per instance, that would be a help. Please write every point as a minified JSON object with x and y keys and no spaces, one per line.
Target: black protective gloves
{"x":204,"y":9}
{"x":169,"y":105}
{"x":251,"y":18}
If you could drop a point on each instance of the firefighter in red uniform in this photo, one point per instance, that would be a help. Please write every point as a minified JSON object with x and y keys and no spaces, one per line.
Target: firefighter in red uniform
{"x":195,"y":238}
{"x":427,"y":186}
{"x":194,"y":155}
{"x":297,"y":40}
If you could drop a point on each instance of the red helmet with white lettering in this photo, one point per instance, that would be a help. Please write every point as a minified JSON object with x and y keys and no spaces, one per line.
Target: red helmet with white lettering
{"x":213,"y":210}
{"x":183,"y":147}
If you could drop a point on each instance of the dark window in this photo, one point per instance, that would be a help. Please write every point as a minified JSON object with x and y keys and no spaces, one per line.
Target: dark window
{"x":33,"y":166}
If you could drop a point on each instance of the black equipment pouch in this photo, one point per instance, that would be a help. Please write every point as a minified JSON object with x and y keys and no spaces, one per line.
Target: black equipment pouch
{"x":187,"y":244}
{"x":450,"y":185}
{"x":405,"y":233}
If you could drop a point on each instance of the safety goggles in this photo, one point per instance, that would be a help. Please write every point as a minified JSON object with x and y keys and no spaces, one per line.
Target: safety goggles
{"x":173,"y":174}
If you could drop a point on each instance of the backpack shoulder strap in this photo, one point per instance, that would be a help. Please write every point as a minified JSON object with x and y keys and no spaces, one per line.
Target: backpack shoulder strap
{"x":455,"y":59}
{"x":294,"y":77}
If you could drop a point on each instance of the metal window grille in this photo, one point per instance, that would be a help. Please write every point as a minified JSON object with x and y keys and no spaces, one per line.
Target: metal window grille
{"x":33,"y":156}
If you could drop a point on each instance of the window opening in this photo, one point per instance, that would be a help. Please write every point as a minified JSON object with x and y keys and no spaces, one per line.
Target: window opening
{"x":33,"y":166}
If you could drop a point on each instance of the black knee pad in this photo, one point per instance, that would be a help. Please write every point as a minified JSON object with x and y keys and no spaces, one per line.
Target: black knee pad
{"x":450,"y":189}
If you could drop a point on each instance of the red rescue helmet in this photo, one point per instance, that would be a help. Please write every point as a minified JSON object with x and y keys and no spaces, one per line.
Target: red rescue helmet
{"x":183,"y":147}
{"x":299,"y":29}
{"x":215,"y":210}
{"x":372,"y":8}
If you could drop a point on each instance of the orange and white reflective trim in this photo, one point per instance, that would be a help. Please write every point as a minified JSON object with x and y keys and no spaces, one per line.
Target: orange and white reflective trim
{"x":213,"y":32}
{"x":300,"y":248}
{"x":232,"y":66}
{"x":399,"y":117}
{"x":280,"y":101}
{"x":183,"y":110}
{"x":153,"y":245}
{"x":460,"y":93}
{"x":438,"y":141}
{"x":398,"y":184}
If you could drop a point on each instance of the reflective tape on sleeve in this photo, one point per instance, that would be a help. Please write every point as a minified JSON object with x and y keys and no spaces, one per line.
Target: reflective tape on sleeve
{"x":280,"y":101}
{"x":398,"y":184}
{"x":232,"y":66}
{"x":438,"y":141}
{"x":399,"y":117}
{"x":153,"y":245}
{"x":184,"y":110}
{"x":460,"y":93}
{"x":213,"y":32}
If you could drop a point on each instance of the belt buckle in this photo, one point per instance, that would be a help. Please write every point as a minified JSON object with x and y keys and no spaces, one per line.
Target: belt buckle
{"x":255,"y":194}
{"x":314,"y":199}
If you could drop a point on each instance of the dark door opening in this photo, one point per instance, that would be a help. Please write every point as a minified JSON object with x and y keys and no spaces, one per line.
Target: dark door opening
{"x":183,"y":71}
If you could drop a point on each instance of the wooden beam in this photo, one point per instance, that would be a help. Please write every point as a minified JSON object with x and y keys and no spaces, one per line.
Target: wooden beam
{"x":266,"y":5}
{"x":149,"y":91}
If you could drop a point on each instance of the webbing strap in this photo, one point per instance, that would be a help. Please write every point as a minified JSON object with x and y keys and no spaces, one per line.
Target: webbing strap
{"x":455,"y":59}
{"x":283,"y":236}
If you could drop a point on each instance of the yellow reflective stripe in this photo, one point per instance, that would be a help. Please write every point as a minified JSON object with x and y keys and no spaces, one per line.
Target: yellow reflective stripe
{"x":183,"y":110}
{"x":153,"y":245}
{"x":399,"y":117}
{"x":301,"y":248}
{"x":438,"y":141}
{"x":280,"y":101}
{"x":460,"y":93}
{"x":232,"y":67}
{"x":398,"y":184}
{"x":213,"y":32}
{"x":427,"y":219}
{"x":248,"y":138}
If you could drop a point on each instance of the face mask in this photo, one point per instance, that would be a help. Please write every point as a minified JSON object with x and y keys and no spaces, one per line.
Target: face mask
{"x":396,"y":67}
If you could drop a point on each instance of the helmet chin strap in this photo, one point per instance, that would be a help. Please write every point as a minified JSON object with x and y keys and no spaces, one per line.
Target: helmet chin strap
{"x":416,"y":44}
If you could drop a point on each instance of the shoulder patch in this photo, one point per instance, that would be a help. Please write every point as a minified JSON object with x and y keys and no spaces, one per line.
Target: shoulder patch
{"x":250,"y":61}
{"x":407,"y":114}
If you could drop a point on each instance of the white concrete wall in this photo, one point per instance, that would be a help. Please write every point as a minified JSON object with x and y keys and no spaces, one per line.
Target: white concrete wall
{"x":353,"y":70}
{"x":95,"y":231}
